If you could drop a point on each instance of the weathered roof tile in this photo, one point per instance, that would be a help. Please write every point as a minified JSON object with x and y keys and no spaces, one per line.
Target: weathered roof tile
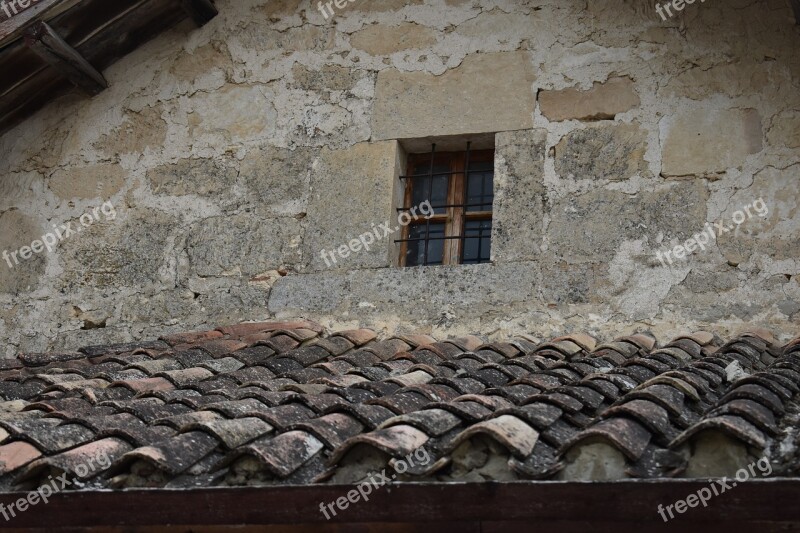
{"x":273,"y":401}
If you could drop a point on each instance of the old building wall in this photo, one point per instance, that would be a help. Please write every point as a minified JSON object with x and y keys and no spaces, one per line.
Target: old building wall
{"x":232,"y":155}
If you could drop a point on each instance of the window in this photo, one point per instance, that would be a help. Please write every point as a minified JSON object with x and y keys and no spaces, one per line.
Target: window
{"x":460,"y":188}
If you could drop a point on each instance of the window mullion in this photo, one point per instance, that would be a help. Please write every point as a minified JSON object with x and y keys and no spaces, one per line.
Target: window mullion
{"x":406,"y":231}
{"x":456,"y":214}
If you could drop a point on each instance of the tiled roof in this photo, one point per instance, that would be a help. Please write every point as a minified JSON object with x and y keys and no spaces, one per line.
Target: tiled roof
{"x":286,"y":403}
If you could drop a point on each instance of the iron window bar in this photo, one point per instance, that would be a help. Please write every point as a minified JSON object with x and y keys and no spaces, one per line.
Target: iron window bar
{"x":431,"y":239}
{"x":404,"y":209}
{"x":479,"y":237}
{"x":430,"y":195}
{"x":415,"y":176}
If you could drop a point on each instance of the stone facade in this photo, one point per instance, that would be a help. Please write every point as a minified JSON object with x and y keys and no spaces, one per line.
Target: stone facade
{"x":235,"y":153}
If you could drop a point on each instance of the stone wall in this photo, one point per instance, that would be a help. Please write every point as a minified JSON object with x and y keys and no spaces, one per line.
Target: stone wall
{"x":235,"y":153}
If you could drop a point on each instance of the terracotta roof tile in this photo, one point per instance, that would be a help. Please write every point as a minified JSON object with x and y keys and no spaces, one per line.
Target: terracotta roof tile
{"x":15,"y":455}
{"x":758,"y":394}
{"x":358,"y":337}
{"x":434,"y":422}
{"x":83,"y":462}
{"x":335,"y":345}
{"x":276,"y":402}
{"x":233,"y":433}
{"x":332,"y":429}
{"x":402,"y":402}
{"x":41,"y":359}
{"x":128,"y":347}
{"x":468,"y":411}
{"x":371,"y":416}
{"x":283,"y":454}
{"x":752,"y":412}
{"x":58,"y":438}
{"x":629,"y":436}
{"x":174,"y":455}
{"x":512,"y":432}
{"x":193,"y":337}
{"x":396,"y":441}
{"x":241,"y":330}
{"x":734,"y":425}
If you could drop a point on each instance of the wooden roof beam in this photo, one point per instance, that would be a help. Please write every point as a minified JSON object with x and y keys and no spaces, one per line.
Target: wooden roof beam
{"x":796,"y":9}
{"x":48,"y":45}
{"x":201,"y":11}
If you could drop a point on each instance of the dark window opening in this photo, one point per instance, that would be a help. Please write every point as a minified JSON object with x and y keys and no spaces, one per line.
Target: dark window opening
{"x":460,"y":189}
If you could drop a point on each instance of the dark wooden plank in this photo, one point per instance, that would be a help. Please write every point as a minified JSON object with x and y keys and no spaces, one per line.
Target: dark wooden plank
{"x":455,"y":527}
{"x":201,"y":11}
{"x":80,"y":25}
{"x":796,"y":9}
{"x":120,"y":27}
{"x":611,"y":526}
{"x":30,"y":95}
{"x":41,"y":38}
{"x":771,"y":501}
{"x":121,"y":36}
{"x":17,"y":63}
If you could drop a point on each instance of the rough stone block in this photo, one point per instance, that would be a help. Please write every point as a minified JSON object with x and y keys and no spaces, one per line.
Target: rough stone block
{"x":96,"y":181}
{"x":466,"y":99}
{"x":777,"y":234}
{"x":705,"y":142}
{"x":732,"y":79}
{"x":591,"y":227}
{"x":519,"y":195}
{"x":381,"y":40}
{"x":602,"y":101}
{"x":423,"y":295}
{"x":234,"y":113}
{"x":328,"y":78}
{"x":566,"y":283}
{"x":351,"y":194}
{"x":278,"y":179}
{"x":207,"y":58}
{"x":19,"y":275}
{"x":382,"y":6}
{"x":203,"y":177}
{"x":609,"y":152}
{"x":785,"y":130}
{"x":128,"y":251}
{"x":318,"y":293}
{"x":243,"y":245}
{"x":139,"y":131}
{"x":262,"y":36}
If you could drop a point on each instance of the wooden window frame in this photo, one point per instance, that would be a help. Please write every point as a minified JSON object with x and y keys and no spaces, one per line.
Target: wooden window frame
{"x":456,"y":214}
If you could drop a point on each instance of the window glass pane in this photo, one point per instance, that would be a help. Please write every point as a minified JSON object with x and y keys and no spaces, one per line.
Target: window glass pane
{"x":480,"y":186}
{"x":436,"y":191}
{"x":415,"y":254}
{"x":477,"y":242}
